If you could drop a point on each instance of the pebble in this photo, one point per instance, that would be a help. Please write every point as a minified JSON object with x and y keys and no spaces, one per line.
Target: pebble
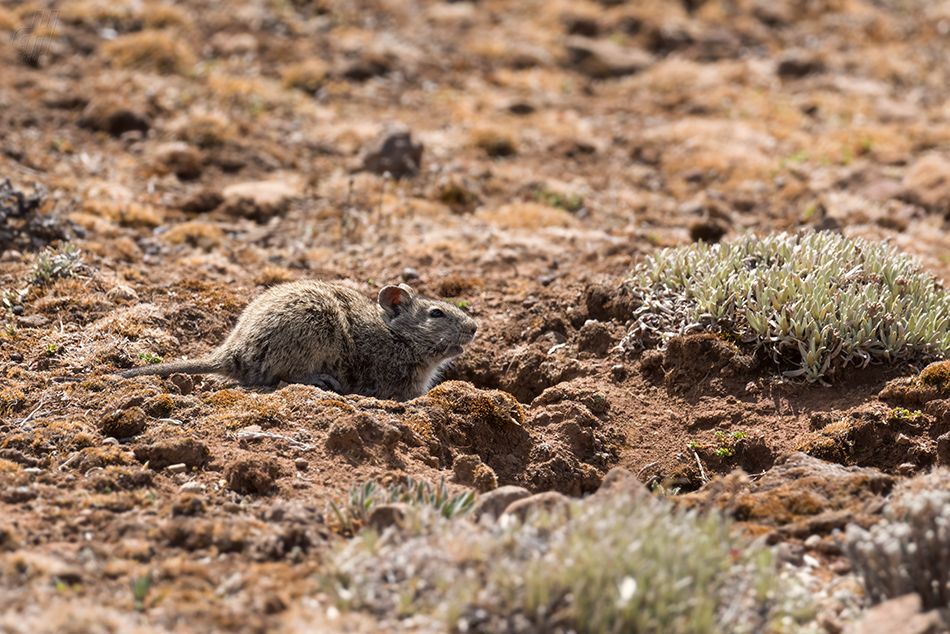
{"x":110,"y":441}
{"x":177,"y":468}
{"x":191,"y":487}
{"x":301,"y":464}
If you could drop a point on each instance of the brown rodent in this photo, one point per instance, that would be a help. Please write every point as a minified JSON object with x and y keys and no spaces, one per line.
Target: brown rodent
{"x":337,"y":338}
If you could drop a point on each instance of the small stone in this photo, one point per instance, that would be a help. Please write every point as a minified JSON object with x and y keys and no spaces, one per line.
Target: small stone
{"x":181,"y":467}
{"x":791,"y":553}
{"x":521,"y":108}
{"x":549,"y":502}
{"x":16,"y":495}
{"x":34,"y":470}
{"x":840,"y":566}
{"x":464,"y":469}
{"x":495,"y":502}
{"x":191,"y":487}
{"x":202,"y":201}
{"x":122,"y":293}
{"x":259,"y":200}
{"x":110,"y":441}
{"x":386,"y":515}
{"x":813,"y":542}
{"x":902,"y":614}
{"x":124,"y":423}
{"x":114,"y":116}
{"x":594,"y":336}
{"x":620,"y":481}
{"x":183,"y":382}
{"x":179,"y":158}
{"x":162,"y":453}
{"x":796,"y":64}
{"x":394,"y":153}
{"x":301,"y":464}
{"x":601,"y":59}
{"x":409,"y":274}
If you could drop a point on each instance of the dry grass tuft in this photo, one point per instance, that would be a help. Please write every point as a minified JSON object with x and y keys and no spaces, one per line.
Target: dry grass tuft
{"x":133,"y":215}
{"x":96,"y":13}
{"x":8,"y":21}
{"x":495,"y":143}
{"x":204,"y":130}
{"x":195,"y":233}
{"x":166,"y":16}
{"x":273,"y":275}
{"x":529,"y":216}
{"x":307,"y":75}
{"x":151,"y":50}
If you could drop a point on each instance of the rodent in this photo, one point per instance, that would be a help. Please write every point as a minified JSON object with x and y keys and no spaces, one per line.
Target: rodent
{"x":335,"y":337}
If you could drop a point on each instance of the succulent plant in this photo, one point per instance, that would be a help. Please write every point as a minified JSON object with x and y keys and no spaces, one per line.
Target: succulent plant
{"x":815,"y":302}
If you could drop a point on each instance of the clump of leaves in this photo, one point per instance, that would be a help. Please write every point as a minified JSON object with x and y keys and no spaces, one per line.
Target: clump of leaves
{"x":363,"y":497}
{"x":816,"y":302}
{"x":52,"y":265}
{"x":608,"y":566}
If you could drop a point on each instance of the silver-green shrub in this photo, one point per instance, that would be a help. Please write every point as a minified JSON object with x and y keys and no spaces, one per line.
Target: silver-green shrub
{"x":908,"y":551}
{"x":612,"y":566}
{"x":817,"y":302}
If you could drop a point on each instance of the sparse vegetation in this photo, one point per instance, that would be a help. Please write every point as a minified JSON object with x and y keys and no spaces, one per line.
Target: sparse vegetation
{"x":610,"y":567}
{"x":818,"y":302}
{"x":151,"y":50}
{"x":363,"y":498}
{"x":909,"y":551}
{"x":53,"y":264}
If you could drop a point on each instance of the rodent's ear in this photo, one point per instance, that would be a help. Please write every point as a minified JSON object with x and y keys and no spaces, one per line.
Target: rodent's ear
{"x":408,"y":288}
{"x":394,"y":299}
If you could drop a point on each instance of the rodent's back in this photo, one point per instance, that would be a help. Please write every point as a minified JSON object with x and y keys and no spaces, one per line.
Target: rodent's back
{"x":294,"y":330}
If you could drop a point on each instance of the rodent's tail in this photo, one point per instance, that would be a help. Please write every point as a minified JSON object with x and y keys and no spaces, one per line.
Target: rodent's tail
{"x":205,"y":365}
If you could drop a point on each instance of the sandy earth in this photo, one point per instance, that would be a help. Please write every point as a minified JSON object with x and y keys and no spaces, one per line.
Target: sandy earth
{"x":197,"y":153}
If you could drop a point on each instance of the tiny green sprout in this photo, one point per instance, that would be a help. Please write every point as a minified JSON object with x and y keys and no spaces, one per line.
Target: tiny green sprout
{"x":903,"y":414}
{"x":148,"y":357}
{"x":738,"y":435}
{"x":692,"y":444}
{"x":140,"y":587}
{"x":797,"y":157}
{"x":723,"y":452}
{"x":51,"y":349}
{"x":463,"y":304}
{"x":720,"y":434}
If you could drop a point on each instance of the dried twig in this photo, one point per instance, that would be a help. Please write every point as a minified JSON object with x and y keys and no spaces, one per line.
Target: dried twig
{"x":699,"y":463}
{"x":259,"y":435}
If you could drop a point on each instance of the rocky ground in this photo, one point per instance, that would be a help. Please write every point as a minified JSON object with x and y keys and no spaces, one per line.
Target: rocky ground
{"x":518,"y":159}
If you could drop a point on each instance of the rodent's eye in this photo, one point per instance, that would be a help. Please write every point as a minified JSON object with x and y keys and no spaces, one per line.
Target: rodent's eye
{"x":435,"y":312}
